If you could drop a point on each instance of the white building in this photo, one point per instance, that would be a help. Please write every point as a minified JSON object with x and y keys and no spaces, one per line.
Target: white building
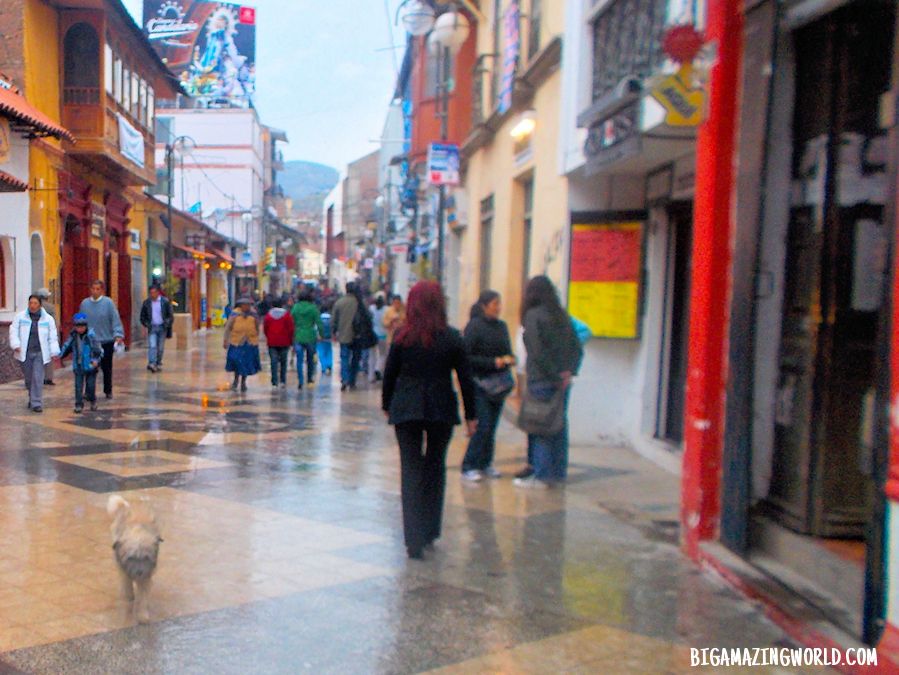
{"x":625,"y":163}
{"x":396,"y":224}
{"x":218,"y":168}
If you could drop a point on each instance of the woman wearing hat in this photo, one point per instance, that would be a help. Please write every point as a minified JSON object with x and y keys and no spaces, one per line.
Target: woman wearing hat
{"x":242,"y":343}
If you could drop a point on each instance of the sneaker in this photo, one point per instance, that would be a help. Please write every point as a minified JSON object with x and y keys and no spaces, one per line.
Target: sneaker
{"x":109,"y":395}
{"x":283,"y":385}
{"x":50,"y":383}
{"x":37,"y":409}
{"x":94,"y":406}
{"x":526,"y":472}
{"x":158,"y":367}
{"x":490,"y":472}
{"x":531,"y":483}
{"x":472,"y":476}
{"x":78,"y":409}
{"x":342,"y":387}
{"x":151,"y":368}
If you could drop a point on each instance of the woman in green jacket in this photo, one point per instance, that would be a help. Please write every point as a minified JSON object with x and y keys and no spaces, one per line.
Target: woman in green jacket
{"x":308,"y":328}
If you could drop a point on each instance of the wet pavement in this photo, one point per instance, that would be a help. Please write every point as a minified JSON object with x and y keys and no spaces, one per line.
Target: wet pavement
{"x":283,"y":549}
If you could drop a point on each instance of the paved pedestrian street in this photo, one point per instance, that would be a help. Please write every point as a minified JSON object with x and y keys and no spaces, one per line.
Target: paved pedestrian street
{"x":283,"y":550}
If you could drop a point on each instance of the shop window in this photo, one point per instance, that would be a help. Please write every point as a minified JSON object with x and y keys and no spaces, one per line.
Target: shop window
{"x":81,"y":70}
{"x":627,"y":42}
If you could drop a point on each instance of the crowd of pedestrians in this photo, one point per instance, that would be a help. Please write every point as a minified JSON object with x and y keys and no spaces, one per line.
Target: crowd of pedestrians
{"x":410,"y":347}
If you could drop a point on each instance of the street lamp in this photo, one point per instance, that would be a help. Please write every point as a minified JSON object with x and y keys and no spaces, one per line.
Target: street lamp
{"x":417,"y":17}
{"x":170,"y":188}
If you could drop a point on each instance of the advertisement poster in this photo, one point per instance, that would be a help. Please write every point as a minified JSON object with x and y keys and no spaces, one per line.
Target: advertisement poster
{"x":443,"y":164}
{"x":209,"y":46}
{"x":604,"y":282}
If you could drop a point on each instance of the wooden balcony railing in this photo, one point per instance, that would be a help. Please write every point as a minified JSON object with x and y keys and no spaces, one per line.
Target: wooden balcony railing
{"x":81,"y":95}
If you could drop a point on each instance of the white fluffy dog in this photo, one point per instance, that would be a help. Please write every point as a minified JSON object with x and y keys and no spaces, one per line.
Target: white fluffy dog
{"x":135,"y":540}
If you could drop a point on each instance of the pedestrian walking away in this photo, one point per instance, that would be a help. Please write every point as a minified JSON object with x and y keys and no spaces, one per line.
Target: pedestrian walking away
{"x":86,"y":352}
{"x":419,"y":400}
{"x":279,"y":330}
{"x":157,"y":316}
{"x":379,"y":351}
{"x":103,"y":318}
{"x":342,"y":326}
{"x":34,"y":340}
{"x":308,"y":329}
{"x":490,"y":355}
{"x":325,"y":349}
{"x":242,"y":342}
{"x":44,"y":295}
{"x":554,"y":356}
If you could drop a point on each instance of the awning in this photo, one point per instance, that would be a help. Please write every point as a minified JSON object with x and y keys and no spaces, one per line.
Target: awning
{"x":194,"y":252}
{"x":27,"y":118}
{"x":218,"y":253}
{"x":9,"y":183}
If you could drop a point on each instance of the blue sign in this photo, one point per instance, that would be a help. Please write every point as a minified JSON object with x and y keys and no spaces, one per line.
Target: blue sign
{"x":443,"y":164}
{"x":511,"y":51}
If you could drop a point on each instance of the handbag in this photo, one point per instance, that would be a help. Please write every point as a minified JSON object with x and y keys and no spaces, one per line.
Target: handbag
{"x":496,"y":385}
{"x":542,"y":417}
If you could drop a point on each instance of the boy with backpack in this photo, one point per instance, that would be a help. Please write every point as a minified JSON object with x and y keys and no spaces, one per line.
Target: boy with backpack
{"x":86,"y":352}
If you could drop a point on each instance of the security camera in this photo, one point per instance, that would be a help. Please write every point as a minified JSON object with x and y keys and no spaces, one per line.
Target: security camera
{"x":628,"y":86}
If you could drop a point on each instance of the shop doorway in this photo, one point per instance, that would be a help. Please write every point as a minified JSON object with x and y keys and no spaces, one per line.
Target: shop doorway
{"x":819,"y":522}
{"x":675,"y":332}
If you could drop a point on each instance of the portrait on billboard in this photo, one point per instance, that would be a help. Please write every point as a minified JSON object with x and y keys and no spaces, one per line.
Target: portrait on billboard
{"x":209,"y":46}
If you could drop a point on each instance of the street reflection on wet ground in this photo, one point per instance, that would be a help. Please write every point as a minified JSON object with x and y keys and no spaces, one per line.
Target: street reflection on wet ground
{"x":283,"y":549}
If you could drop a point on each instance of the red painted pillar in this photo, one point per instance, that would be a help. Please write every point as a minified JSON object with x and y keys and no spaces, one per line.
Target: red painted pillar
{"x":710,"y":290}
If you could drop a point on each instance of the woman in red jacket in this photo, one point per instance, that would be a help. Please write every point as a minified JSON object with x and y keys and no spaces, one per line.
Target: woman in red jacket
{"x":278,"y":327}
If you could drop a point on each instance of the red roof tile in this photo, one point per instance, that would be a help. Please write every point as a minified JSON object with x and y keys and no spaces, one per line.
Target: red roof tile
{"x":15,"y":106}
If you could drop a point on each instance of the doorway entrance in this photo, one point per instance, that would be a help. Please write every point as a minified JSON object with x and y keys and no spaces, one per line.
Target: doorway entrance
{"x":818,"y":516}
{"x":675,"y":333}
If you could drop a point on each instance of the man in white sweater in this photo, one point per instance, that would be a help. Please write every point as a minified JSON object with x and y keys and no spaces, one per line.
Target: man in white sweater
{"x":103,"y":318}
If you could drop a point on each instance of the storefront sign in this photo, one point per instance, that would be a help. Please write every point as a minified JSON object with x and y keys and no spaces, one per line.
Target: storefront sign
{"x":183,"y":268}
{"x":613,"y":139}
{"x":443,"y":164}
{"x":131,"y":141}
{"x":683,"y":103}
{"x":604,"y":279}
{"x":511,"y":51}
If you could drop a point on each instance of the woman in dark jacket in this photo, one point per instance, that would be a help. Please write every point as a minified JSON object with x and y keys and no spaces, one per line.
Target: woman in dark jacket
{"x":490,"y":355}
{"x":554,"y":357}
{"x":419,"y":400}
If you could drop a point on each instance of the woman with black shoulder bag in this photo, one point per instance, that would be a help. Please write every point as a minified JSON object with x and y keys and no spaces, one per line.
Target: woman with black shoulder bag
{"x":490,"y":355}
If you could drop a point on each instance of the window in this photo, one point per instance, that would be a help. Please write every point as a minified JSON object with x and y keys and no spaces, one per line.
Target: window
{"x":142,"y":108}
{"x":81,"y":68}
{"x":486,"y":241}
{"x":151,"y":106}
{"x":117,"y":80}
{"x":534,"y":29}
{"x":135,"y":96}
{"x":627,"y":42}
{"x":165,"y":129}
{"x":37,"y":262}
{"x":126,"y":88}
{"x":107,"y":68}
{"x":6,"y":271}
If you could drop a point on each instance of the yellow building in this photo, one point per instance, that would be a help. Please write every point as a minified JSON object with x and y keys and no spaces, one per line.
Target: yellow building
{"x":517,"y":200}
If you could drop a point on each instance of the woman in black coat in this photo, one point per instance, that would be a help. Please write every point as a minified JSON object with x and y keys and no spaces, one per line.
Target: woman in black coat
{"x":420,"y":402}
{"x":490,"y":354}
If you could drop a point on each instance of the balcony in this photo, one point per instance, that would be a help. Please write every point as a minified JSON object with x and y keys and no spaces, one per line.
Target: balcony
{"x":111,"y":137}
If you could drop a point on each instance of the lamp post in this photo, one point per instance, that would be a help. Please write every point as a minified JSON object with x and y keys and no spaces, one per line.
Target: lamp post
{"x":447,"y":37}
{"x":170,"y":189}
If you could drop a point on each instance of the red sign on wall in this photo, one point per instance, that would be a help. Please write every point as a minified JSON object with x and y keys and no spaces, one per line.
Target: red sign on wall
{"x":247,"y":16}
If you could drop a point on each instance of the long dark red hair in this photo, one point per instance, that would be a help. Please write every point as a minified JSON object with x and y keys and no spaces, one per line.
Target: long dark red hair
{"x":425,"y":315}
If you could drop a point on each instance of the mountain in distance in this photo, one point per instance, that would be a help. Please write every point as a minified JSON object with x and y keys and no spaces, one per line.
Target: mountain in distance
{"x":307,"y":184}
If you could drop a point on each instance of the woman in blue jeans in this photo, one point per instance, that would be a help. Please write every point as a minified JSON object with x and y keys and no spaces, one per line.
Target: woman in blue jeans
{"x":554,"y":357}
{"x":490,"y":356}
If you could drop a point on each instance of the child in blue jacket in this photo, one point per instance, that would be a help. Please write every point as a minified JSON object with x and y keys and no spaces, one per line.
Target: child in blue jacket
{"x":86,"y":353}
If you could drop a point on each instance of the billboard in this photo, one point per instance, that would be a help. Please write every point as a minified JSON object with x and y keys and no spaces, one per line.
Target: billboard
{"x":209,"y":46}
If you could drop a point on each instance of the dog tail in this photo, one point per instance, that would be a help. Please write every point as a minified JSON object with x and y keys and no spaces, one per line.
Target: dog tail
{"x":114,"y":504}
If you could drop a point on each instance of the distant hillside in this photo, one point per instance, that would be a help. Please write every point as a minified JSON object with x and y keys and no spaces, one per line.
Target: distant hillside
{"x":307,"y":184}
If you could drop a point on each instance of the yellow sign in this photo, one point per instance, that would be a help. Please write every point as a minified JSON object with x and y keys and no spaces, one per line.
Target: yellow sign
{"x":609,"y":308}
{"x":683,"y":102}
{"x":4,"y":140}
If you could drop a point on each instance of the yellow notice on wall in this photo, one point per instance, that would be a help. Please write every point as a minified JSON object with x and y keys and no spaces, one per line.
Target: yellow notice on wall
{"x":604,"y":277}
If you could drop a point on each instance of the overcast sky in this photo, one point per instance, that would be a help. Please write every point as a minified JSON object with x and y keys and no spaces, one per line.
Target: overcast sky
{"x":325,"y":73}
